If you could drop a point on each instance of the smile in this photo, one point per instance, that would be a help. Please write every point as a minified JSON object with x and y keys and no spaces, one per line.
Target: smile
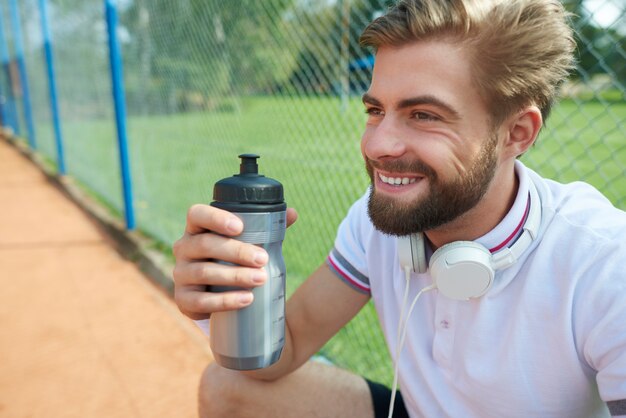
{"x":396,"y":181}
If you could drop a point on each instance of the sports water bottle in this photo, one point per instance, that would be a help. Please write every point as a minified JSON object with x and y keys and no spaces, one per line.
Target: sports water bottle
{"x":253,"y":337}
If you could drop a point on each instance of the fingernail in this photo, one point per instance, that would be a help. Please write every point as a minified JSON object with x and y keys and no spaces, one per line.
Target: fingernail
{"x":258,"y":277}
{"x":245,"y":298}
{"x":260,"y":258}
{"x":233,"y":225}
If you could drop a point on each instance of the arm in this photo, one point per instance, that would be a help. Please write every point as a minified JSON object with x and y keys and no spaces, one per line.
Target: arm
{"x":599,"y":312}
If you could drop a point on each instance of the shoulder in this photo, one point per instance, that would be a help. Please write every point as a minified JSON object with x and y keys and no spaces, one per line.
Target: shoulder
{"x":578,"y":209}
{"x":581,"y":243}
{"x":361,"y":253}
{"x":357,"y":224}
{"x":348,"y":258}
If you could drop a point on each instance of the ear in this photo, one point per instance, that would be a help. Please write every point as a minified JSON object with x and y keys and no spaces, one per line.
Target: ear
{"x":522,"y":129}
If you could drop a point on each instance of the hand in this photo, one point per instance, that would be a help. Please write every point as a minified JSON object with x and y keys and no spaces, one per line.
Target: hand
{"x":206,"y":238}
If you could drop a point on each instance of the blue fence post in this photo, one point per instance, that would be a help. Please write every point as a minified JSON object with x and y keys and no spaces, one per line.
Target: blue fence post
{"x":47,"y":44}
{"x":119,"y":98}
{"x":10,"y":112}
{"x":3,"y":108}
{"x":19,"y":55}
{"x":3,"y":99}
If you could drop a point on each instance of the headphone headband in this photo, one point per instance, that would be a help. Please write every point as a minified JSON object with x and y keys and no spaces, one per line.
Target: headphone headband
{"x":509,"y":255}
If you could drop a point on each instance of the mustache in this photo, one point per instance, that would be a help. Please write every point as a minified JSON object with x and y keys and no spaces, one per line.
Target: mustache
{"x":401,"y":166}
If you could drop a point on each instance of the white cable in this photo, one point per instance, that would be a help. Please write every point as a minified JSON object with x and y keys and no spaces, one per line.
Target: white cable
{"x":402,"y":328}
{"x":407,"y":275}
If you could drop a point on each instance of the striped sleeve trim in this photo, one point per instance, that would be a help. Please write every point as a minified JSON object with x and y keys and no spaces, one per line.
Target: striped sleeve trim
{"x":617,"y":408}
{"x":346,"y":272}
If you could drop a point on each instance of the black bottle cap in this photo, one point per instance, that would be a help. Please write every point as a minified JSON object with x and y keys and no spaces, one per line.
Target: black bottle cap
{"x":248,"y":188}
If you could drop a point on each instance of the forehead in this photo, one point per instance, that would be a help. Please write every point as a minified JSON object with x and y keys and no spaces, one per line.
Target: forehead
{"x":435,"y":68}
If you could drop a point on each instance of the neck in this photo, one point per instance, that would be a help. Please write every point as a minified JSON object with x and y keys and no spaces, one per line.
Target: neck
{"x":485,"y":216}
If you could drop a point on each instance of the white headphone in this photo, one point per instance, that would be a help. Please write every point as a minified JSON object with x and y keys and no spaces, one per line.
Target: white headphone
{"x":465,"y":269}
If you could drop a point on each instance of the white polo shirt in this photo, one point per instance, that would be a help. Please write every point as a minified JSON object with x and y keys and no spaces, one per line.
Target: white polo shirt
{"x":547,"y":340}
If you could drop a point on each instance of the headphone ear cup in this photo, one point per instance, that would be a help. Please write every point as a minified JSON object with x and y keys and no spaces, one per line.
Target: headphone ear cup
{"x":462,"y":270}
{"x":412,"y":253}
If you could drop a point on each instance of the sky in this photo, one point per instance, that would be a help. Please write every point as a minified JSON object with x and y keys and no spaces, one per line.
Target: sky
{"x":606,"y":13}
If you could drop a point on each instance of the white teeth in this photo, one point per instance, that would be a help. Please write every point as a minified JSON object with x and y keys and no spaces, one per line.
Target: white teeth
{"x":397,"y":180}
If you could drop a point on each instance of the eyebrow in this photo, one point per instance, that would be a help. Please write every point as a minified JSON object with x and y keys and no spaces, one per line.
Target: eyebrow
{"x":415,"y":101}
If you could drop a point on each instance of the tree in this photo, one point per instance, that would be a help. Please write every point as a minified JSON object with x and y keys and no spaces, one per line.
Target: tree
{"x":600,"y":50}
{"x":209,"y":49}
{"x":322,"y":60}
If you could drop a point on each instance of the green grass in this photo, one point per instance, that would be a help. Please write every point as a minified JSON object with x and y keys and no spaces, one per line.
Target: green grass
{"x":585,"y":142}
{"x":311,"y":145}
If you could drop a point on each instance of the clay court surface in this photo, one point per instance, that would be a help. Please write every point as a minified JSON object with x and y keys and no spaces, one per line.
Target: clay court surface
{"x":83,"y":332}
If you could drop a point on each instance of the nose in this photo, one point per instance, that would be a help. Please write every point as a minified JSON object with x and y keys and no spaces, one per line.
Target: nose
{"x":383,"y":140}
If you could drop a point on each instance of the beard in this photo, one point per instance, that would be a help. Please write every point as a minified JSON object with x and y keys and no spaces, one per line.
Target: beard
{"x":445,"y":201}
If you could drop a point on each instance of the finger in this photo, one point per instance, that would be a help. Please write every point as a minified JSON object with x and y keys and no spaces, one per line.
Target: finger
{"x":208,"y":245}
{"x":197,"y":303}
{"x":292,"y":216}
{"x":209,"y":273}
{"x":202,"y":218}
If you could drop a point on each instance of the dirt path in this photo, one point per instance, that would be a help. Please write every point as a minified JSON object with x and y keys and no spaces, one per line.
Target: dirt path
{"x":83,"y":332}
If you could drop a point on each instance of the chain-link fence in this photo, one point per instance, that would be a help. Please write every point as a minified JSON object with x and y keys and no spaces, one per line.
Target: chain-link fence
{"x":207,"y":80}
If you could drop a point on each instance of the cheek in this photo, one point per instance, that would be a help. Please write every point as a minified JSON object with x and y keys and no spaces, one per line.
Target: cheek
{"x":438,"y":153}
{"x":363,"y":148}
{"x":449,"y":162}
{"x":462,"y":162}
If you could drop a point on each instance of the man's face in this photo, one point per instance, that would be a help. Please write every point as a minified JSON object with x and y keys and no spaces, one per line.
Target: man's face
{"x":427,"y":145}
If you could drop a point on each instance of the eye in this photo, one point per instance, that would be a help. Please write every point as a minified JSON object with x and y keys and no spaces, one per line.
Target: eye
{"x":425,"y":116}
{"x":374,"y":111}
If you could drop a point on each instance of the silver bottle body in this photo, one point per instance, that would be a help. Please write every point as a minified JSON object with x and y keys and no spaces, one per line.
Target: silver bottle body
{"x":253,"y":337}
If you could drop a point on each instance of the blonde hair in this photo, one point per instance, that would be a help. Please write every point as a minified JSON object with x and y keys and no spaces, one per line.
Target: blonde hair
{"x":520,"y":50}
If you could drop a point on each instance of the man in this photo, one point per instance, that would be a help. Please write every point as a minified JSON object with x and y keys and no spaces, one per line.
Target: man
{"x":459,"y":90}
